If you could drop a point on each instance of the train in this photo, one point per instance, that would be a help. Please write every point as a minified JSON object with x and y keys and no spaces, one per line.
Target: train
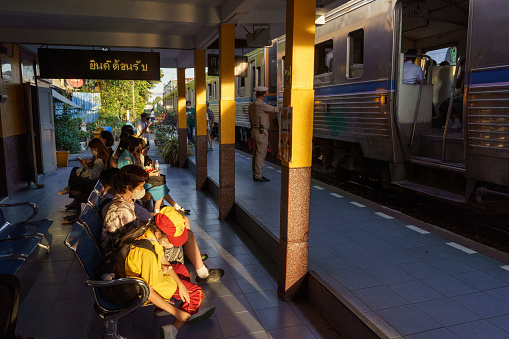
{"x":367,"y":121}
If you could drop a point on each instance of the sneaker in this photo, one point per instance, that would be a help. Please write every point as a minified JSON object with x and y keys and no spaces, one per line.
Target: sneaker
{"x":215,"y":274}
{"x":262,"y":179}
{"x":203,"y":314}
{"x":182,"y":210}
{"x":209,"y":149}
{"x":69,"y":219}
{"x":64,"y":191}
{"x":457,"y":125}
{"x":169,"y":332}
{"x":159,"y":312}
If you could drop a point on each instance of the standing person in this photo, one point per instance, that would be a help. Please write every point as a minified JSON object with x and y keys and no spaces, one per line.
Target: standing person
{"x":107,"y":139}
{"x":259,"y":118}
{"x":191,"y":114}
{"x":142,"y":130}
{"x":210,"y":125}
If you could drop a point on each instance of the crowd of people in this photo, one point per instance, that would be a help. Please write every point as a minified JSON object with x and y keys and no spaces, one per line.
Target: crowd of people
{"x":157,"y":238}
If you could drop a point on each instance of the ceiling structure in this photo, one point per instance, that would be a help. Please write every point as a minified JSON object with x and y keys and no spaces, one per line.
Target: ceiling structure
{"x":174,"y":28}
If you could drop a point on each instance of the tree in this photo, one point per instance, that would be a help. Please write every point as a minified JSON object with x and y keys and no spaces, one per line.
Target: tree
{"x":117,"y":97}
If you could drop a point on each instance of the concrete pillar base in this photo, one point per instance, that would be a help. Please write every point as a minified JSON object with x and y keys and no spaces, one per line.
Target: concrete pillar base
{"x":293,"y":269}
{"x":294,"y":231}
{"x":182,"y":135}
{"x":201,"y":161}
{"x":226,"y":179}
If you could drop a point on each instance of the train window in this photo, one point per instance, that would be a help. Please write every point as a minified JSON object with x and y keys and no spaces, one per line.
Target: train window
{"x":258,"y":76}
{"x":253,"y":76}
{"x":356,"y":53}
{"x":209,"y":91}
{"x":241,"y":86}
{"x":282,"y":72}
{"x":323,"y":56}
{"x":214,"y":90}
{"x":273,"y":75}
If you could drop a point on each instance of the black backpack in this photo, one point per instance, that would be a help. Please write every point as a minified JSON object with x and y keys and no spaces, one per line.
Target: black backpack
{"x":113,"y":261}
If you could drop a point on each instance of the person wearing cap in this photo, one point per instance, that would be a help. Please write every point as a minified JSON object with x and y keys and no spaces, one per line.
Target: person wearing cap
{"x":259,"y":118}
{"x":142,"y":130}
{"x":165,"y":280}
{"x":210,"y":125}
{"x":412,"y":74}
{"x":191,"y":114}
{"x":178,"y":230}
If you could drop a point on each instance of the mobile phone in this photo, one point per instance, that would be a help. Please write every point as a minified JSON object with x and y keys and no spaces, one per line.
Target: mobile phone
{"x":79,"y":159}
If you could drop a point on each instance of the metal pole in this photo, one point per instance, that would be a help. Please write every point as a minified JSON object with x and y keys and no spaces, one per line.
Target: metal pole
{"x":134,"y":110}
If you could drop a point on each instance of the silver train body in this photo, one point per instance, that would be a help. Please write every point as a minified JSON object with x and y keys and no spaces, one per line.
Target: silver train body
{"x":367,"y":121}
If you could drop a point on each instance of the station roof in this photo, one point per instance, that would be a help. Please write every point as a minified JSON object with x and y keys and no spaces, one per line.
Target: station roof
{"x":172,"y":27}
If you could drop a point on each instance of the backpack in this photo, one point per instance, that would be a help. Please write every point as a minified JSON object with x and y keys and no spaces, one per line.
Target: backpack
{"x":113,"y":261}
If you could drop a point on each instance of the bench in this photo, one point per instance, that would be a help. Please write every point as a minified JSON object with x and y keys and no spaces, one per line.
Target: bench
{"x":18,"y":241}
{"x":84,"y":247}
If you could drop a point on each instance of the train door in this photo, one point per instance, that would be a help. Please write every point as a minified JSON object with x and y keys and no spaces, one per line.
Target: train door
{"x":487,"y":99}
{"x":429,"y":101}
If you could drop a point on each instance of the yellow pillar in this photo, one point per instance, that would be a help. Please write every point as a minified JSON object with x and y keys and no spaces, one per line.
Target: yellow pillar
{"x":226,"y":119}
{"x":201,"y":117}
{"x":296,"y":175}
{"x":182,"y":121}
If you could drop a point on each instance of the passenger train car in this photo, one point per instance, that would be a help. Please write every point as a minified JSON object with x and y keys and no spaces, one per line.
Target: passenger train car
{"x":367,"y":121}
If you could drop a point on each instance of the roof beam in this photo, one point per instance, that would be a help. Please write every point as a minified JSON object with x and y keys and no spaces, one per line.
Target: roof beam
{"x":233,"y":10}
{"x":107,"y":39}
{"x":178,"y":12}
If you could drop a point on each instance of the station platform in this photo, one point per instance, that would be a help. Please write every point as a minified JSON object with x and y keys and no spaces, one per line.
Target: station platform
{"x":401,"y":277}
{"x":57,"y":304}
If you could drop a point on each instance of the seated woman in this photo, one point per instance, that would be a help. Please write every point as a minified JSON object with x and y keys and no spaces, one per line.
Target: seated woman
{"x":170,"y":281}
{"x":127,"y":131}
{"x":131,"y":153}
{"x":82,"y":180}
{"x":120,"y":216}
{"x":107,"y":139}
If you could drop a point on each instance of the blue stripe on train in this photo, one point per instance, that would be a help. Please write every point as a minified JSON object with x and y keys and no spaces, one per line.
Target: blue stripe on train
{"x":375,"y":86}
{"x":489,"y":77}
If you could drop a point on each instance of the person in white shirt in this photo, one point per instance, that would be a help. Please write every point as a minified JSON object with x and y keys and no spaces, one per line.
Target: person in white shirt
{"x":412,"y":74}
{"x":142,"y":130}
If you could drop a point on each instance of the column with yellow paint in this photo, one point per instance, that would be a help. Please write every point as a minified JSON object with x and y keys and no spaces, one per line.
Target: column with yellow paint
{"x":182,"y":121}
{"x":226,"y":119}
{"x":296,"y":175}
{"x":201,"y":117}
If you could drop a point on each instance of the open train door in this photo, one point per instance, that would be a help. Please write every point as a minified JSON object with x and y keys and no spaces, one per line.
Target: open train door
{"x":47,"y":130}
{"x":487,"y":98}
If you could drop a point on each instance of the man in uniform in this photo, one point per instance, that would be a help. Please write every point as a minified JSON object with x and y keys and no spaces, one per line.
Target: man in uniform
{"x":259,"y":118}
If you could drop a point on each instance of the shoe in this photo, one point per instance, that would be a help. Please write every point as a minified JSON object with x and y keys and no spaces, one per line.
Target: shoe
{"x":70,"y":219}
{"x":457,"y":125}
{"x":203,"y":314}
{"x":64,"y":191}
{"x":169,"y":332}
{"x":72,"y":204}
{"x":159,"y":312}
{"x":262,"y":179}
{"x":182,"y":210}
{"x":210,"y":149}
{"x":215,"y":274}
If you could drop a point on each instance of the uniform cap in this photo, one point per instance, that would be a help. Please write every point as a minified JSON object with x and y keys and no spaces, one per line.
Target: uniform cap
{"x":172,"y":224}
{"x":261,"y":89}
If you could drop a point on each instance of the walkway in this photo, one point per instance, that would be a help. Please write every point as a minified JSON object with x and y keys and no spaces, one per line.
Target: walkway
{"x":404,"y":277}
{"x":59,"y":305}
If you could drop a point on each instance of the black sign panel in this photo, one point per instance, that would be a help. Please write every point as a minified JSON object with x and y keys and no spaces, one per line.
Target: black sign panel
{"x":88,"y":64}
{"x":240,"y":65}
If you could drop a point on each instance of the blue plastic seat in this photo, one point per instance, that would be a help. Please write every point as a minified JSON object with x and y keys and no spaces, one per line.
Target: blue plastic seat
{"x":24,"y":227}
{"x":93,"y":222}
{"x":81,"y":241}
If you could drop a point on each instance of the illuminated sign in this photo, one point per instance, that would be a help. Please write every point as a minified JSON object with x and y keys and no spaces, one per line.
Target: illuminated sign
{"x":89,"y":64}
{"x":240,"y":65}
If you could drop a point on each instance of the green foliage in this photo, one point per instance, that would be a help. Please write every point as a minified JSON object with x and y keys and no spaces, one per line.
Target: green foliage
{"x":67,"y":130}
{"x":117,"y":98}
{"x":169,"y":151}
{"x":166,"y":128}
